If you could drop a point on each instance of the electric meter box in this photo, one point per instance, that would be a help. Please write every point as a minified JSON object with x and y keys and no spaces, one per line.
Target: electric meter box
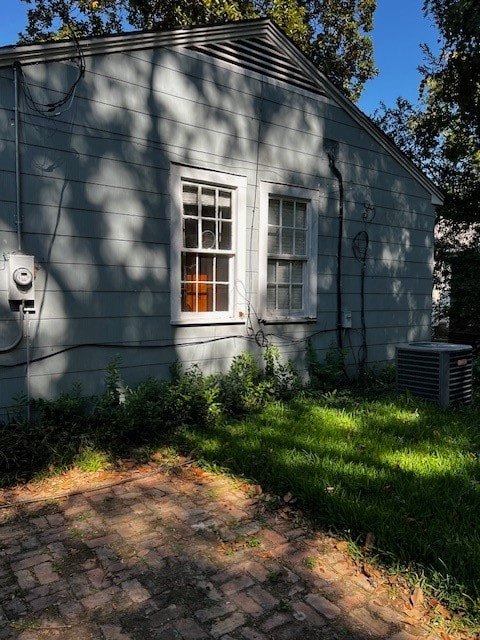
{"x":21,"y":278}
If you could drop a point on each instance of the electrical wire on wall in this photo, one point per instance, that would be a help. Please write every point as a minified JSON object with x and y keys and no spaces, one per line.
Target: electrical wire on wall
{"x":48,"y":110}
{"x":257,"y":334}
{"x":360,"y":250}
{"x":261,"y":339}
{"x":56,"y":108}
{"x":18,"y":338}
{"x":251,"y":331}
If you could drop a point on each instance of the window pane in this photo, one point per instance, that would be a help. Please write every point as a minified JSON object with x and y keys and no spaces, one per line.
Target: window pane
{"x":287,"y":213}
{"x":271,"y":271}
{"x":190,"y":233}
{"x":297,"y":272}
{"x":274,"y":212}
{"x":273,"y":240}
{"x":222,"y":268}
{"x":189,"y":284}
{"x":225,"y":235}
{"x":300,"y":243}
{"x":222,"y":297}
{"x":225,"y":205}
{"x":301,"y":215}
{"x":271,"y":306}
{"x":283,"y":272}
{"x":205,"y":297}
{"x":283,"y":297}
{"x":297,"y":297}
{"x":188,"y":264}
{"x":188,"y":297}
{"x":190,"y":200}
{"x":206,"y":267}
{"x":208,"y":234}
{"x":287,"y":241}
{"x":208,"y":202}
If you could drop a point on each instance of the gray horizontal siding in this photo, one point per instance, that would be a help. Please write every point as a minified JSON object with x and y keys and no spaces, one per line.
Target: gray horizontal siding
{"x":73,"y":250}
{"x":95,"y":206}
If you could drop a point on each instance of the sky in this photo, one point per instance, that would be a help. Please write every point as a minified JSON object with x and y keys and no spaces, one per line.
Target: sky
{"x":399,"y":29}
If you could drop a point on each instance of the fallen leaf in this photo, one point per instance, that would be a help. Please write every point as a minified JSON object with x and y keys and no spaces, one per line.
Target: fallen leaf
{"x":417,"y":598}
{"x":413,"y":617}
{"x":287,"y":497}
{"x":445,"y":613}
{"x":370,"y":572}
{"x":342,"y":545}
{"x":330,"y":490}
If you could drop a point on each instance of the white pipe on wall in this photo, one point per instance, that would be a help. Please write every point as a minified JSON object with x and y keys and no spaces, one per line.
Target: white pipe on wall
{"x":18,"y":212}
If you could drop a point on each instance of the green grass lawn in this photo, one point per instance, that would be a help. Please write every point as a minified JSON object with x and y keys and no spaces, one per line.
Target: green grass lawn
{"x":404,"y":470}
{"x":401,"y":471}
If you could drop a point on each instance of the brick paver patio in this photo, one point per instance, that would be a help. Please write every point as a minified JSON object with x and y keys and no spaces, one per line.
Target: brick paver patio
{"x":188,"y":555}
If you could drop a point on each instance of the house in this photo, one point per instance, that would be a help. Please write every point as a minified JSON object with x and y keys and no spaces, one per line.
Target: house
{"x":192,"y":194}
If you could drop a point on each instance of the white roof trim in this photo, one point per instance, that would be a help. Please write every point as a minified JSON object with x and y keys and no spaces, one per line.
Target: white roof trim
{"x":134,"y":40}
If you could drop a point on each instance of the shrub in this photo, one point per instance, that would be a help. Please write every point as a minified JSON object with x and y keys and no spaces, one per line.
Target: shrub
{"x":144,"y":410}
{"x":243,"y":388}
{"x":282,"y":377}
{"x":74,"y":426}
{"x":51,"y":438}
{"x":328,"y":374}
{"x":192,"y":398}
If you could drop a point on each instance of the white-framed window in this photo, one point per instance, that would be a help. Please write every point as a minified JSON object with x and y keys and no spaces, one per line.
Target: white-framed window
{"x":288,"y":252}
{"x":207,"y":245}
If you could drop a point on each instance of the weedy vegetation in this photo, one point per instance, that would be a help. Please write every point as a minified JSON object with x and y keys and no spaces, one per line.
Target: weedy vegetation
{"x":397,"y":477}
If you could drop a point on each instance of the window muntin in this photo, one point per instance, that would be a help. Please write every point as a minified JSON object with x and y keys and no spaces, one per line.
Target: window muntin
{"x":287,"y":256}
{"x":207,"y":245}
{"x":207,"y":256}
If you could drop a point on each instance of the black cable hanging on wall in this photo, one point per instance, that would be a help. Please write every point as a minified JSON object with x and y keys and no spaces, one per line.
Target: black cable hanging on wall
{"x":360,"y":250}
{"x":56,"y":108}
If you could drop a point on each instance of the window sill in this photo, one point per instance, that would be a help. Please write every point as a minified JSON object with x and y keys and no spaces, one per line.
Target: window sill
{"x":206,"y":322}
{"x":288,"y":320}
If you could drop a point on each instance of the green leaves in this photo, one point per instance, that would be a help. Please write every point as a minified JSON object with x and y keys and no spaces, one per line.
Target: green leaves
{"x":442,"y":133}
{"x":333,"y":33}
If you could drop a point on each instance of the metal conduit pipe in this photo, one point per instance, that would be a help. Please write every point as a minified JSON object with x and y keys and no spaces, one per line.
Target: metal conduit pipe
{"x":18,"y":212}
{"x":338,"y":175}
{"x":18,"y":215}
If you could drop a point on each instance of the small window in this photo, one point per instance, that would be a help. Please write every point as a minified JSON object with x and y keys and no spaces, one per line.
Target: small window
{"x":207,"y":252}
{"x":288,"y":256}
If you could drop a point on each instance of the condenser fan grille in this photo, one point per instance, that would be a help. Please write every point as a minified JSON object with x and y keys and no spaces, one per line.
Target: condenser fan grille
{"x":436,"y":371}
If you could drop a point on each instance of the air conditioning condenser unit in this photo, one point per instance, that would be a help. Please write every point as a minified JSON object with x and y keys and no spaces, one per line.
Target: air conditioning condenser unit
{"x":437,"y":371}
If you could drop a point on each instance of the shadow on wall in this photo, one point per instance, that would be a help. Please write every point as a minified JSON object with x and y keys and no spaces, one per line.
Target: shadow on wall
{"x":95,"y":204}
{"x":95,"y":201}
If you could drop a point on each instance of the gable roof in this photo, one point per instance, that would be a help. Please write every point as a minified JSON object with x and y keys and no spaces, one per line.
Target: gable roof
{"x":257,"y":45}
